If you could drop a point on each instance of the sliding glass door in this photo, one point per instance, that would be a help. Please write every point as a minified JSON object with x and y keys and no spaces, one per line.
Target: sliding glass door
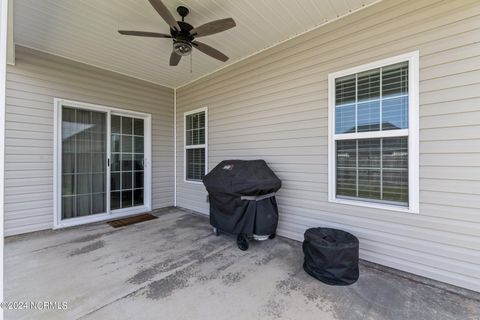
{"x":127,"y":171}
{"x":102,"y":156}
{"x":83,"y":162}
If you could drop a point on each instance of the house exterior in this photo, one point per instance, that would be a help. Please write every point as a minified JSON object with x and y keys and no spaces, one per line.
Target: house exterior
{"x":371,"y":121}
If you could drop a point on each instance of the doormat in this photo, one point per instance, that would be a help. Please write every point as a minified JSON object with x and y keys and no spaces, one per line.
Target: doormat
{"x":131,"y":220}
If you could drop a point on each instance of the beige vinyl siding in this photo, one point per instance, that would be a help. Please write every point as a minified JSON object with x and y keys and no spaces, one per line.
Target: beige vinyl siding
{"x":32,"y":84}
{"x":274,"y":106}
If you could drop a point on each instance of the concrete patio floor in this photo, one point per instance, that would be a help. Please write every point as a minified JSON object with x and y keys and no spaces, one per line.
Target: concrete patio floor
{"x":175,"y":268}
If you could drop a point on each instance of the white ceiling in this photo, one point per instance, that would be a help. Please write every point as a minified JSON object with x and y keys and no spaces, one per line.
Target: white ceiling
{"x":86,"y":31}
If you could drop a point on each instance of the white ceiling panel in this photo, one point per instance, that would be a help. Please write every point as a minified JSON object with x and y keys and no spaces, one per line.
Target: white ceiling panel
{"x":86,"y":31}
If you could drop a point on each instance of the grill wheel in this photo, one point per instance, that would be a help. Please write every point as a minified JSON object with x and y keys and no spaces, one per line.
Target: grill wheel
{"x":242,"y":242}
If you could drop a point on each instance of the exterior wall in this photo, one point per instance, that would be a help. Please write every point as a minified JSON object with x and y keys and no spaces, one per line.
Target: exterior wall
{"x":274,"y":106}
{"x":32,"y":84}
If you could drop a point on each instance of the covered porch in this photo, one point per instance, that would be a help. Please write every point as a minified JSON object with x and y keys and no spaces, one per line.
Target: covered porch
{"x":366,"y":110}
{"x":174,"y":267}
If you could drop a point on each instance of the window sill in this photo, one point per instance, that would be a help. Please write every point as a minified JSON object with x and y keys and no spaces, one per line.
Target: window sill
{"x":193,"y":181}
{"x":380,"y":206}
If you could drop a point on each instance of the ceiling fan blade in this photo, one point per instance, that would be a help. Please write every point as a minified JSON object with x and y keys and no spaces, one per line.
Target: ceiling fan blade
{"x":213,"y":27}
{"x":165,"y":14}
{"x":212,"y":52}
{"x":144,"y":34}
{"x":174,"y":58}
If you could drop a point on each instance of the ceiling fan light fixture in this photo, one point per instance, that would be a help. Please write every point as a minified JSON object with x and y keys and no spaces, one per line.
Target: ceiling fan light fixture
{"x":182,"y":47}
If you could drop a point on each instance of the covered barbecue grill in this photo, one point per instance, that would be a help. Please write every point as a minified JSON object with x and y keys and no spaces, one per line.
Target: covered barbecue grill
{"x":242,"y":199}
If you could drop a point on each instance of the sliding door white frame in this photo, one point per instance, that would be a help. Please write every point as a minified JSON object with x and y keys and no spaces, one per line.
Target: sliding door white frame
{"x":57,"y":176}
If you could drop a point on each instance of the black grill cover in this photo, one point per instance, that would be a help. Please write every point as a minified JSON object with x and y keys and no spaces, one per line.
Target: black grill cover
{"x":331,"y":256}
{"x":232,"y":179}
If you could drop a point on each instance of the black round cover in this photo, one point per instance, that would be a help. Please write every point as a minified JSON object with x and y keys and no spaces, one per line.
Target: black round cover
{"x":242,"y":177}
{"x":331,"y":255}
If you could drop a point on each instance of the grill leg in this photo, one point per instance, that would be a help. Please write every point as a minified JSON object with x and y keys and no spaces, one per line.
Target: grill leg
{"x":216,"y":231}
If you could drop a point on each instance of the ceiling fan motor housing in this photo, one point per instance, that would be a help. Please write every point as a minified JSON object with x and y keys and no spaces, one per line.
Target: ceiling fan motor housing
{"x":182,"y":39}
{"x":184,"y":31}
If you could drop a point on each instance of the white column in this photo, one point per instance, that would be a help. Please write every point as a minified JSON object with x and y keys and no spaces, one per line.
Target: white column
{"x":3,"y":67}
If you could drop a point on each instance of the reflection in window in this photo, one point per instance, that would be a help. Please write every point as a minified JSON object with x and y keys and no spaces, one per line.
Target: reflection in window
{"x":372,"y":168}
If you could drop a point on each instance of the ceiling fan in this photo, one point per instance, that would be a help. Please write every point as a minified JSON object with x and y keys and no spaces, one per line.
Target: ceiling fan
{"x":184,"y":34}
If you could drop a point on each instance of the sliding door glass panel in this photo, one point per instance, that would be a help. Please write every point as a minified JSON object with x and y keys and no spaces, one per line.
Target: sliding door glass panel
{"x":83,"y":162}
{"x":127,"y":158}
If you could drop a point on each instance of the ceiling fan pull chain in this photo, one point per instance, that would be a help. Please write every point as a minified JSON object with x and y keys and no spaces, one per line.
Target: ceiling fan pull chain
{"x":191,"y":63}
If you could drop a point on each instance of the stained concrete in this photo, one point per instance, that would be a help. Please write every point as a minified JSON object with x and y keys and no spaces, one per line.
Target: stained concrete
{"x":175,"y":268}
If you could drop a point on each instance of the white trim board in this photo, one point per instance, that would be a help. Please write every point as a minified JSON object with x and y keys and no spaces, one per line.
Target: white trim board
{"x":109,"y":214}
{"x":174,"y":147}
{"x":4,"y":8}
{"x":412,"y":132}
{"x":10,"y":40}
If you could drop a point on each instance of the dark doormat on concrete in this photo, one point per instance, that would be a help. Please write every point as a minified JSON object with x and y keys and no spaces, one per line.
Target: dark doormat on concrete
{"x":131,"y":220}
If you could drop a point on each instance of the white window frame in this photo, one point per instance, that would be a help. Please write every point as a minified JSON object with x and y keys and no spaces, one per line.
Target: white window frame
{"x":57,"y":165}
{"x":196,"y":146}
{"x":412,"y":132}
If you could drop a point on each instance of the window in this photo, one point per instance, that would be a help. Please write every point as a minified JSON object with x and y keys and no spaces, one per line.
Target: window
{"x":195,"y":145}
{"x":373,"y":134}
